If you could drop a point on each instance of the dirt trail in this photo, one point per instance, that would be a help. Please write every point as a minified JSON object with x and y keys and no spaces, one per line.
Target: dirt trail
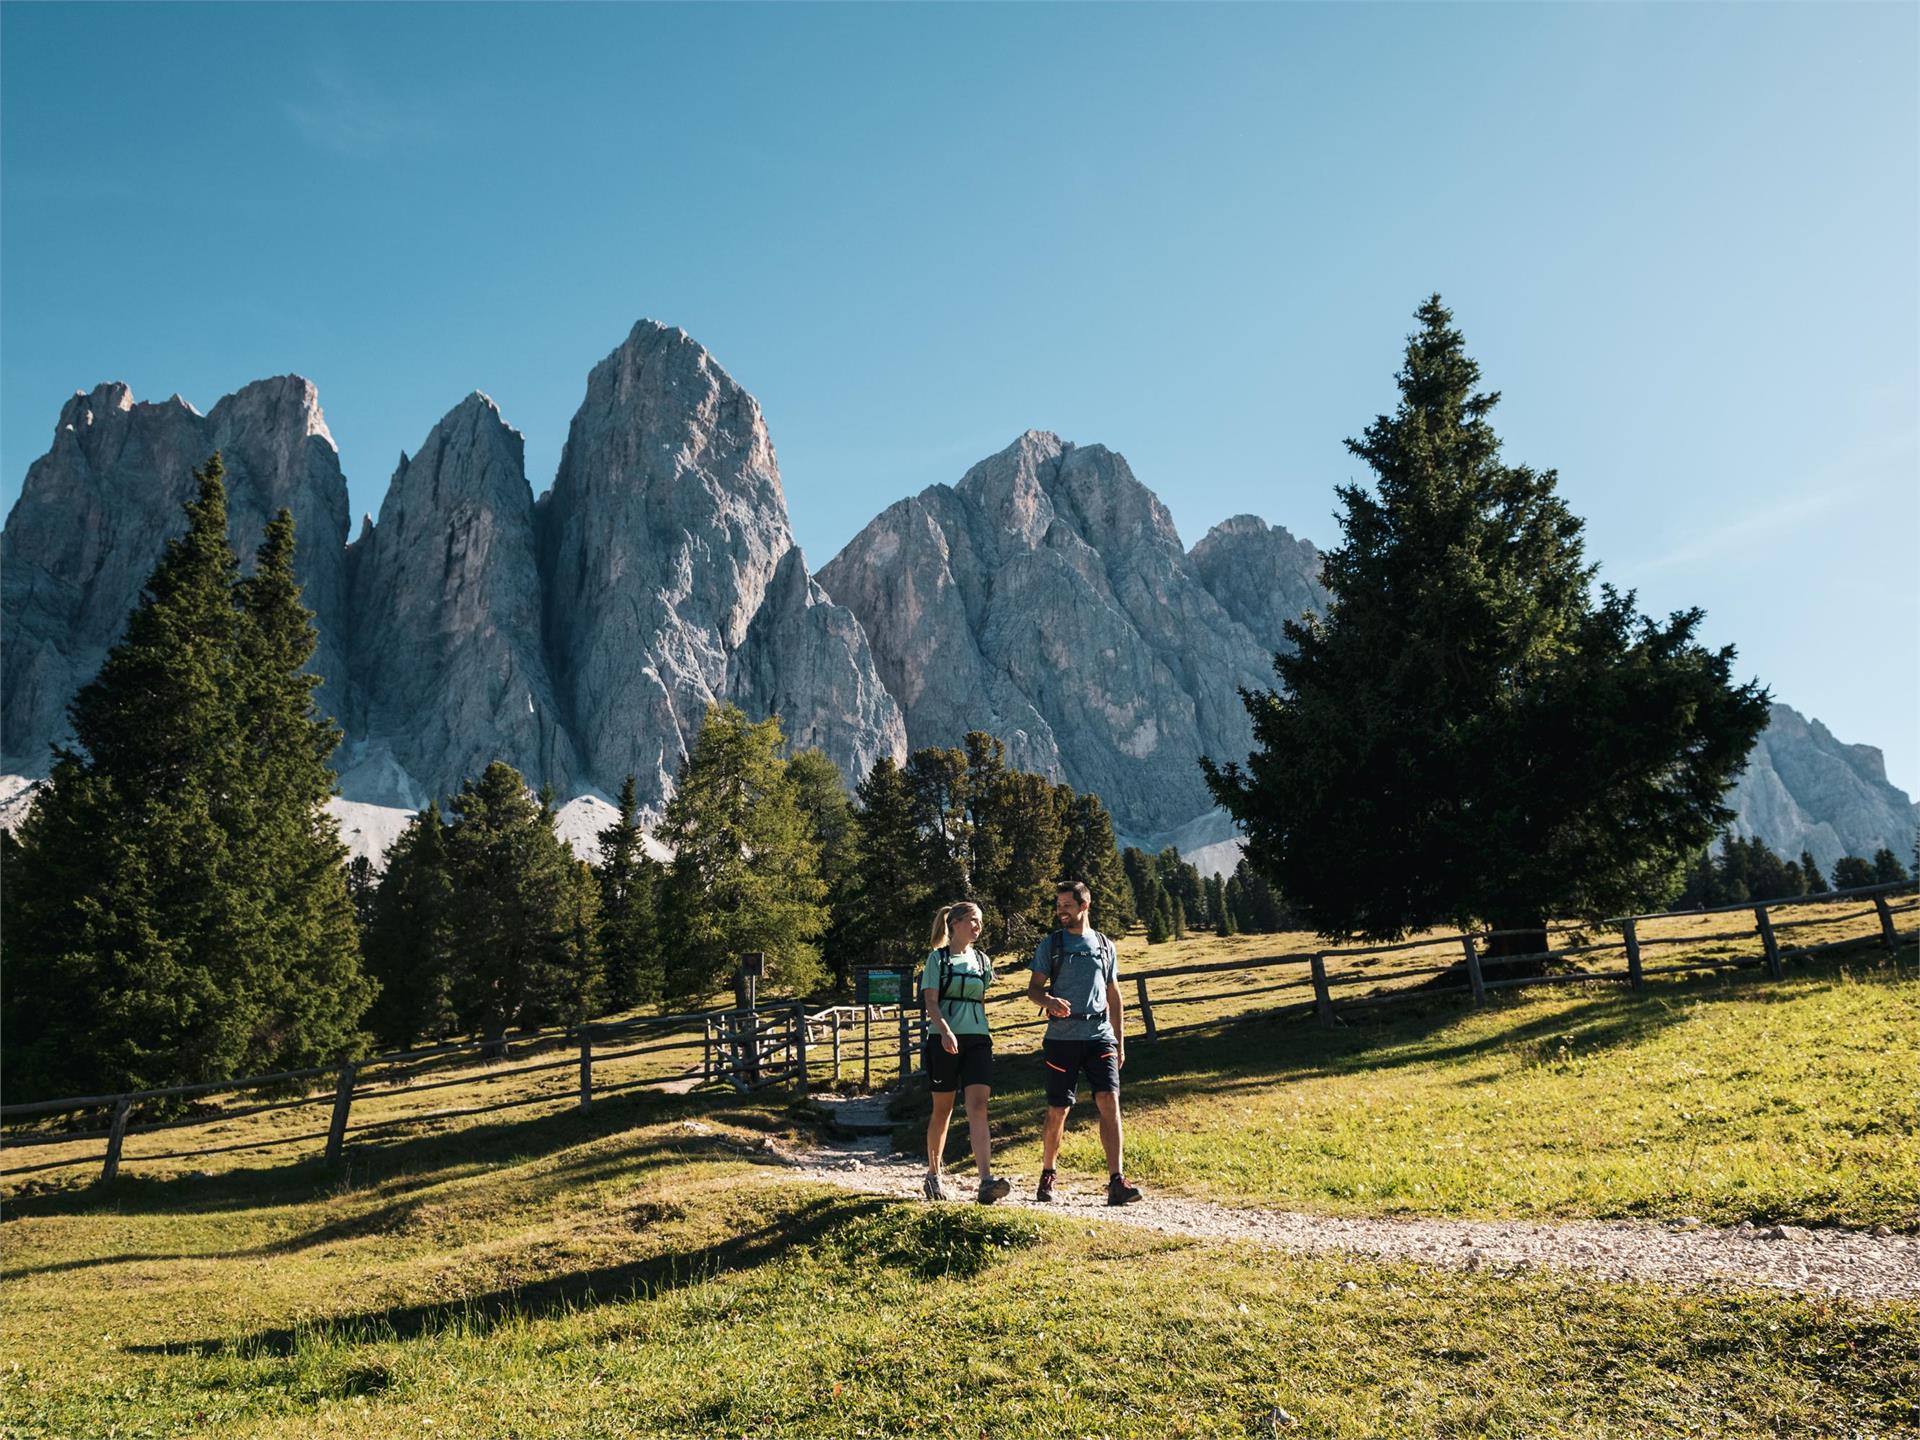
{"x":1851,"y":1263}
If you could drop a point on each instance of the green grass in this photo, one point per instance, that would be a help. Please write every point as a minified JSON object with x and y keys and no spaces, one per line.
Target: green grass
{"x":643,"y":1270}
{"x":1725,"y":1098}
{"x":624,"y":1275}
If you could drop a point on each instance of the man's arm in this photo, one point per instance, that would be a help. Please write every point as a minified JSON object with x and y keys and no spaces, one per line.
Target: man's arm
{"x":1118,"y":1014}
{"x":1052,"y":1004}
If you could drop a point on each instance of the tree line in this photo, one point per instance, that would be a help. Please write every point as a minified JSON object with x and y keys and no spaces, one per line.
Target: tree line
{"x":1748,"y":869}
{"x":180,"y":906}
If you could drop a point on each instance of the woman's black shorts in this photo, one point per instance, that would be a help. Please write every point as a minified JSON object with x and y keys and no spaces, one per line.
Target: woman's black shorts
{"x":972,"y":1066}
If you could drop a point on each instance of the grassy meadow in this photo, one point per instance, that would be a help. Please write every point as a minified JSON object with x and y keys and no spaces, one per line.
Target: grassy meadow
{"x":646,"y":1269}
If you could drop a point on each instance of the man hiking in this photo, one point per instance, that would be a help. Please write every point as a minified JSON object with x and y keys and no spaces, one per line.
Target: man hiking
{"x":1076,"y":982}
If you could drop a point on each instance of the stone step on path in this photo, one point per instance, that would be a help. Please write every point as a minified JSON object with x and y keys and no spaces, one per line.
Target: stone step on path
{"x":1856,"y":1264}
{"x":853,"y":1116}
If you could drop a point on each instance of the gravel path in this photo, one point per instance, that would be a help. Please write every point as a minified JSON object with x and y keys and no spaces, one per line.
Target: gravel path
{"x":1851,"y":1263}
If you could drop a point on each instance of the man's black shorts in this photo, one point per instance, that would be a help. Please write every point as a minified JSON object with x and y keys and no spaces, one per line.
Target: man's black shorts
{"x":1065,"y":1059}
{"x":972,"y":1066}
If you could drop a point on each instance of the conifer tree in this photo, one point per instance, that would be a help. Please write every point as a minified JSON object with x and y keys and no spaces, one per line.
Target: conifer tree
{"x":515,"y":910}
{"x":1471,"y":735}
{"x":1850,"y":872}
{"x":889,"y":897}
{"x":1887,"y":869}
{"x":628,"y":878}
{"x":1810,"y":875}
{"x":178,"y":913}
{"x":937,"y":785}
{"x":306,"y":951}
{"x":410,"y":938}
{"x":1088,"y":852}
{"x":746,"y":869}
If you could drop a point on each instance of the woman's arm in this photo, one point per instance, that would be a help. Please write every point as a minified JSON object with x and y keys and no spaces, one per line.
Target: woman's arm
{"x":937,"y":1022}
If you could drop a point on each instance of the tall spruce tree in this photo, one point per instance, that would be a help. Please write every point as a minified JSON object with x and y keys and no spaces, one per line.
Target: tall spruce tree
{"x":1887,"y":869}
{"x":307,"y":952}
{"x":820,"y":791}
{"x":1810,"y":875}
{"x":937,"y":785}
{"x":889,"y":897}
{"x":1470,"y":735}
{"x":629,"y":878}
{"x":1088,"y":852}
{"x":409,"y":941}
{"x":746,"y":869}
{"x":177,"y":913}
{"x":515,"y":910}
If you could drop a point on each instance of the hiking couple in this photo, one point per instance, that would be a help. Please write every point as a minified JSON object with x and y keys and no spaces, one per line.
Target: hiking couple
{"x":1075,"y":981}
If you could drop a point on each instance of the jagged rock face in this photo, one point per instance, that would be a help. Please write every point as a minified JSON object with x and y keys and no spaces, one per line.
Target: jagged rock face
{"x":659,"y":543}
{"x":96,"y":512}
{"x":1805,"y":790}
{"x":448,"y":667}
{"x":1261,"y":576}
{"x":1048,"y":598}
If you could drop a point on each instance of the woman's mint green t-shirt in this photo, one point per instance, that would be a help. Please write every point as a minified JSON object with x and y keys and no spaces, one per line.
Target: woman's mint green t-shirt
{"x":968,"y":975}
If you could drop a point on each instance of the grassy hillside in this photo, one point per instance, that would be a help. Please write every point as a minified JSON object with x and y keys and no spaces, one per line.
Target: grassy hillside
{"x":646,"y":1271}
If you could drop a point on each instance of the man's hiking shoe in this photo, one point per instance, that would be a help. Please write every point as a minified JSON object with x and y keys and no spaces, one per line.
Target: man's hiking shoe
{"x":1121,"y":1193}
{"x":994,"y":1189}
{"x":1045,"y":1193}
{"x":934,"y":1188}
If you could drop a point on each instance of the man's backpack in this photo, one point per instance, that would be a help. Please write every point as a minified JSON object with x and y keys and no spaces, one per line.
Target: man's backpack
{"x":1056,"y":947}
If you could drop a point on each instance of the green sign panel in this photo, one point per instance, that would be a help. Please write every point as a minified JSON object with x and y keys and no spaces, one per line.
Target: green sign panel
{"x":878,"y":987}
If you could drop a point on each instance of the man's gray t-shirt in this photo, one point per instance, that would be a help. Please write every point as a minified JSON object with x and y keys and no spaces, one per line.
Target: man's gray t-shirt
{"x":1083,"y":974}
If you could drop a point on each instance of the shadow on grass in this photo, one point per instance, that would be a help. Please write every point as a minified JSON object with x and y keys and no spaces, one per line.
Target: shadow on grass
{"x":557,"y":1295}
{"x":393,"y":1168}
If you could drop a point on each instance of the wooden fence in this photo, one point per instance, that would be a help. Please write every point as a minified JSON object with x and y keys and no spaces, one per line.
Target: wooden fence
{"x":747,"y":1049}
{"x":785,"y":1043}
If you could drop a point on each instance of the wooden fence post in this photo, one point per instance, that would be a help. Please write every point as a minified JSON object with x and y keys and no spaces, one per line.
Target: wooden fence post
{"x":1774,"y":967}
{"x":342,"y":1102}
{"x":906,"y":1046}
{"x":1474,"y":977}
{"x":586,"y":1073}
{"x":1322,"y":996}
{"x":1146,"y":1007}
{"x":866,"y":1049}
{"x":1888,"y":936}
{"x":1635,"y":980}
{"x":116,"y":1133}
{"x":800,"y":1045}
{"x":836,"y":1045}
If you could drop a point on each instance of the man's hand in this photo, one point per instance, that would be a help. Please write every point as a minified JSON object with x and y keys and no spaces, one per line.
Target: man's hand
{"x":1120,"y":1055}
{"x":1056,"y":1007}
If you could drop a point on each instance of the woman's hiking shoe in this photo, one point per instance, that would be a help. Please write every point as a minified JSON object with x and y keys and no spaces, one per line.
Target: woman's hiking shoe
{"x":1121,"y":1193}
{"x":1045,"y":1193}
{"x":934,"y":1188}
{"x":994,"y":1189}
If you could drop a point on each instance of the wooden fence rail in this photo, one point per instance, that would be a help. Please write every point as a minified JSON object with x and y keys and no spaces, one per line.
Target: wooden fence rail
{"x":776,"y":1044}
{"x":763,"y":1047}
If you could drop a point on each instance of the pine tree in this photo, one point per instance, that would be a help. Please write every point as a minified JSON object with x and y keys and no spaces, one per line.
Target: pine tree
{"x":1810,"y":875}
{"x":1088,"y":852}
{"x":937,"y":786}
{"x":306,"y":953}
{"x":410,"y":938}
{"x":628,"y":878}
{"x":1470,"y":735}
{"x":746,"y":868}
{"x":889,"y":896}
{"x":1887,"y":869}
{"x":515,"y":910}
{"x":362,"y":881}
{"x":1217,"y":906}
{"x":178,"y":913}
{"x":1160,"y":923}
{"x":1850,"y":872}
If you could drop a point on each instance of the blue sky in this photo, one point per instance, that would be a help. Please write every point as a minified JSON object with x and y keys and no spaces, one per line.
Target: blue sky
{"x":1681,"y":240}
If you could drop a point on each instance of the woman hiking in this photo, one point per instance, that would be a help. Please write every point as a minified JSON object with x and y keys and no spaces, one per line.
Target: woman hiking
{"x":959,"y":1051}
